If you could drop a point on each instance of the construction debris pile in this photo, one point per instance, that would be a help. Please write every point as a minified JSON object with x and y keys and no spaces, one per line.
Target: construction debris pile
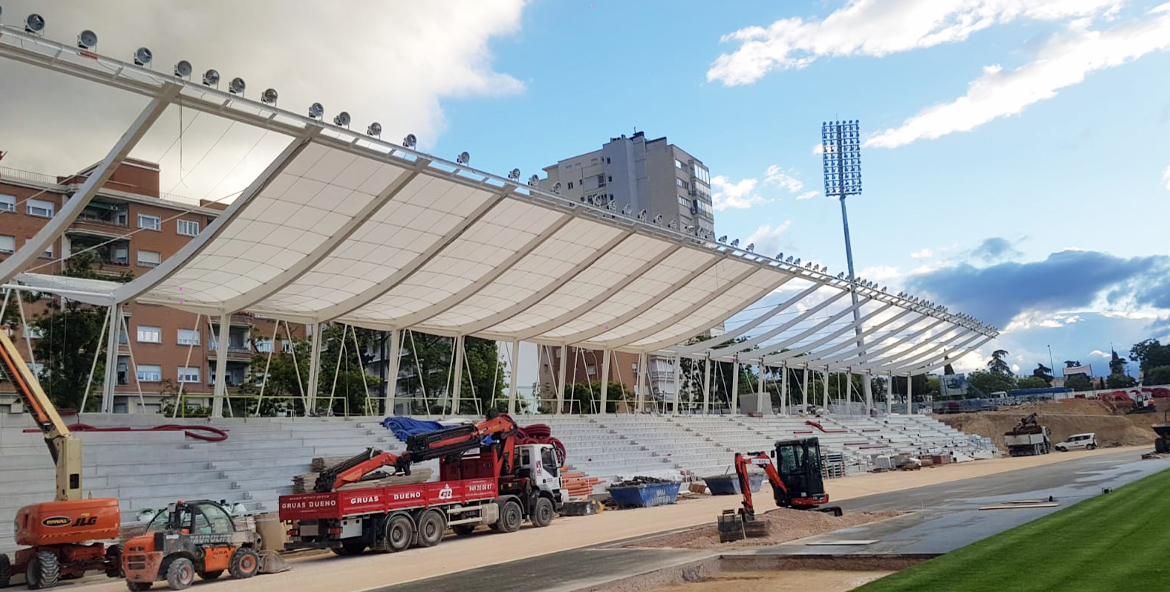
{"x":785,"y":525}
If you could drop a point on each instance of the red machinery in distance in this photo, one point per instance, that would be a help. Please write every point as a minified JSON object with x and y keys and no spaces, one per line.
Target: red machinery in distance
{"x":449,"y":442}
{"x":796,"y":482}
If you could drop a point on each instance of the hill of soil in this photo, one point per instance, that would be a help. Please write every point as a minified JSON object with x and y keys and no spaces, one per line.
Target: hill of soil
{"x":1065,"y":418}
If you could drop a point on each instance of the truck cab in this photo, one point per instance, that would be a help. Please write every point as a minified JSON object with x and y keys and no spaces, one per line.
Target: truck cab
{"x":540,"y":462}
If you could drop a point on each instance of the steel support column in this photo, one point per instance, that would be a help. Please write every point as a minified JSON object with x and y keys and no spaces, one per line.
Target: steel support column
{"x":677,"y":383}
{"x":784,"y":390}
{"x":825,"y":381}
{"x":515,"y":376}
{"x":605,"y":381}
{"x":762,"y":393}
{"x":457,"y":387}
{"x":221,"y":352}
{"x":112,"y":340}
{"x":392,"y":367}
{"x":734,"y":394}
{"x":643,"y":381}
{"x":707,"y":385}
{"x":561,"y":379}
{"x":890,"y":394}
{"x":909,"y":394}
{"x":804,"y":392}
{"x":314,"y":369}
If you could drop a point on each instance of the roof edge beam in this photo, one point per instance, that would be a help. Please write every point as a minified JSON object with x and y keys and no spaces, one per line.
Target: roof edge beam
{"x":698,"y":347}
{"x":873,"y":352}
{"x":777,"y":348}
{"x":735,"y":348}
{"x":782,"y":356}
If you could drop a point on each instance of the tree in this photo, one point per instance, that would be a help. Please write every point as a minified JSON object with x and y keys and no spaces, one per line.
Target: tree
{"x":1042,"y":372}
{"x":1120,"y":381}
{"x":1150,"y":354}
{"x":998,"y":364}
{"x":1117,"y":365}
{"x":1032,"y":382}
{"x":1078,"y":382}
{"x":1158,"y":375}
{"x":990,"y":382}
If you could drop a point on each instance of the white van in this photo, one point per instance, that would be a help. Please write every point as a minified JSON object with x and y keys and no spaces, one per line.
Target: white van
{"x":1078,"y":441}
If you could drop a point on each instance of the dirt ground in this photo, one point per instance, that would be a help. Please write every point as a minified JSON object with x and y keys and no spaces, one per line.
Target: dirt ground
{"x":1064,"y":418}
{"x":780,"y":581}
{"x":784,"y":525}
{"x":344,"y":574}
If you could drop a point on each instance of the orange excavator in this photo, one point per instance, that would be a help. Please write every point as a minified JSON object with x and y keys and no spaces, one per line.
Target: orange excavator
{"x":796,"y":481}
{"x":58,"y":535}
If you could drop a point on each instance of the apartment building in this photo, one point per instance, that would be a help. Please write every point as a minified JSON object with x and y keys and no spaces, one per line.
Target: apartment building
{"x":129,"y":228}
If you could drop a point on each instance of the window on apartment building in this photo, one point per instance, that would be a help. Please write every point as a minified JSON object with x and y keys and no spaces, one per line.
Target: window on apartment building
{"x":188,"y":374}
{"x":48,"y":253}
{"x":701,"y":173}
{"x":36,"y":207}
{"x":188,"y":337}
{"x":684,"y":202}
{"x":149,"y":373}
{"x":33,"y":332}
{"x":263,"y":344}
{"x":149,"y":334}
{"x":570,"y":184}
{"x":7,"y":244}
{"x":601,"y":180}
{"x":149,"y":258}
{"x":677,"y":164}
{"x":149,"y":222}
{"x":188,"y":227}
{"x":7,"y":203}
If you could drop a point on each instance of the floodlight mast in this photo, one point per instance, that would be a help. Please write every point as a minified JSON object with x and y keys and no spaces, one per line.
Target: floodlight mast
{"x":841,"y":147}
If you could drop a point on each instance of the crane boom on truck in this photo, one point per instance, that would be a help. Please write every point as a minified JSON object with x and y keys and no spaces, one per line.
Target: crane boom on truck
{"x":452,"y":441}
{"x":485,"y":478}
{"x":55,"y":533}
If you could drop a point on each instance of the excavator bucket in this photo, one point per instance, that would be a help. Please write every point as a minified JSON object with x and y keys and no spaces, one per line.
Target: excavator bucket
{"x":757,"y":528}
{"x":272,"y":562}
{"x":730,"y":525}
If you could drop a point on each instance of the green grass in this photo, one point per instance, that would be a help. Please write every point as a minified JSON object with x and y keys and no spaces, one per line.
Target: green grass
{"x":1117,"y":541}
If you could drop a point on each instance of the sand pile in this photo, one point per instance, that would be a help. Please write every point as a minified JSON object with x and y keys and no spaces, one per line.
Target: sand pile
{"x":1063,"y":418}
{"x":786,"y":525}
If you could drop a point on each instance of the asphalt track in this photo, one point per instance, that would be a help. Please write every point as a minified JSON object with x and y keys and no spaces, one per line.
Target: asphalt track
{"x":942,"y":518}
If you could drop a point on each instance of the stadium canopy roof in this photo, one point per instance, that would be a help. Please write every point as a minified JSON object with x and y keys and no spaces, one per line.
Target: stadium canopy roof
{"x":346,"y":227}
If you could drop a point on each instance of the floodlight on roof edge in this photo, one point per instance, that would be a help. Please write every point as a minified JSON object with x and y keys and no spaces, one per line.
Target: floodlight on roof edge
{"x":409,"y":141}
{"x":237,"y":86}
{"x":463,"y":158}
{"x":514,"y":175}
{"x":375,"y":130}
{"x":183,"y":69}
{"x":342,"y":119}
{"x":533,"y":180}
{"x":269,"y":96}
{"x":316,"y":111}
{"x":35,"y":24}
{"x":211,"y":78}
{"x":735,"y":243}
{"x":87,"y":40}
{"x":143,"y":56}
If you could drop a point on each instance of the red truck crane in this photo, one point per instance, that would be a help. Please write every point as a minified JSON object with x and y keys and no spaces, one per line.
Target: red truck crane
{"x":485,"y":478}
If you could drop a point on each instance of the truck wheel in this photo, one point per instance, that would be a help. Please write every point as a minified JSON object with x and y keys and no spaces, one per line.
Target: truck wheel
{"x":114,"y":562}
{"x":43,"y":571}
{"x":211,"y":575}
{"x":465,"y":529}
{"x":399,"y":533}
{"x":1091,"y":447}
{"x":430,"y":529}
{"x":180,"y":574}
{"x":244,"y":563}
{"x":138,"y":586}
{"x":5,"y":571}
{"x":542,"y":514}
{"x":511,"y":516}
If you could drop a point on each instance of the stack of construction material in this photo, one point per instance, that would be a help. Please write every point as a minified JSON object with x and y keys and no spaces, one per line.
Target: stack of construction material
{"x":578,"y":485}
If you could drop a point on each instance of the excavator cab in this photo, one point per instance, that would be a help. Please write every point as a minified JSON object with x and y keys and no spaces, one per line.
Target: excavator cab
{"x":798,"y":463}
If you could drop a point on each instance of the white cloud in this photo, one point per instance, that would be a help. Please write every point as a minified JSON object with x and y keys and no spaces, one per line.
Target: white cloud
{"x":739,"y":195}
{"x":922,"y":253}
{"x":1065,"y":60}
{"x":774,"y":176}
{"x":389,"y":62}
{"x":880,"y":273}
{"x":808,"y":195}
{"x":881,"y":27}
{"x":1099,"y":354}
{"x":767,"y":239}
{"x":1166,"y":177}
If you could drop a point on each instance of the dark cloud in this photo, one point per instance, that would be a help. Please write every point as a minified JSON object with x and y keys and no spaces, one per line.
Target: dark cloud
{"x":995,"y":249}
{"x":1068,"y":279}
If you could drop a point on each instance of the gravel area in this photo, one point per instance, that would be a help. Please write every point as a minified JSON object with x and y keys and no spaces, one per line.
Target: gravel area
{"x":785,"y":525}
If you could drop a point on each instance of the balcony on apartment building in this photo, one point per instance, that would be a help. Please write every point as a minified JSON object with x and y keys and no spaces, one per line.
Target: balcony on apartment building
{"x":111,"y":257}
{"x":238,"y":349}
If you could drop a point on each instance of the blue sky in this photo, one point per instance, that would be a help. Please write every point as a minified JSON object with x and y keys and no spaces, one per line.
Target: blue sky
{"x":1082,"y":170}
{"x":1016,"y":162}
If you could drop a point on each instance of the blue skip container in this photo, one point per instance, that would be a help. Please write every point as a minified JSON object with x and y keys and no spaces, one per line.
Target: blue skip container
{"x":729,"y":484}
{"x":645,"y":496}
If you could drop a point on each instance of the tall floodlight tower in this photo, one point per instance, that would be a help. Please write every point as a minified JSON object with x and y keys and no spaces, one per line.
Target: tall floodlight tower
{"x":841,"y":144}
